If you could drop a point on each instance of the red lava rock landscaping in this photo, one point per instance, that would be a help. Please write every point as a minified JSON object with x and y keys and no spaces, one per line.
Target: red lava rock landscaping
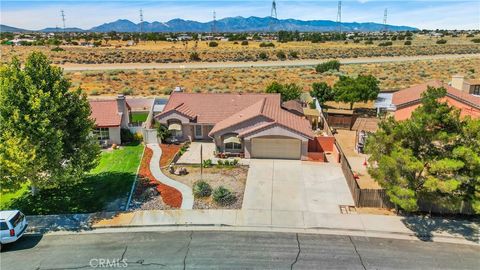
{"x":170,"y":195}
{"x":168,"y":152}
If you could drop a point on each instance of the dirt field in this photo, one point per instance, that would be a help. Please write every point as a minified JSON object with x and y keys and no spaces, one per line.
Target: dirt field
{"x":392,"y":76}
{"x":233,"y":179}
{"x":170,"y":52}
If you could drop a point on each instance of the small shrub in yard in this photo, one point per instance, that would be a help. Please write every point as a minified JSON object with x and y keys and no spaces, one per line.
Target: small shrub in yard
{"x":223,"y":196}
{"x":213,"y":44}
{"x":244,"y":43}
{"x":207,"y":163}
{"x":441,"y":41}
{"x":126,"y":136}
{"x":202,"y":189}
{"x":263,"y":56}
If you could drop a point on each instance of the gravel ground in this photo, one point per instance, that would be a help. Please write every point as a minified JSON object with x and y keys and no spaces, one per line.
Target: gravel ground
{"x":233,"y":179}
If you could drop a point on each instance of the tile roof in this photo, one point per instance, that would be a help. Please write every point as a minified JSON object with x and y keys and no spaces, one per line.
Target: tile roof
{"x":227,"y":110}
{"x":414,"y":94}
{"x":294,"y":106}
{"x":105,"y":113}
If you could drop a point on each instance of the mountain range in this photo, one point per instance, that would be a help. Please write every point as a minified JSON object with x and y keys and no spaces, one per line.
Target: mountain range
{"x":229,"y":24}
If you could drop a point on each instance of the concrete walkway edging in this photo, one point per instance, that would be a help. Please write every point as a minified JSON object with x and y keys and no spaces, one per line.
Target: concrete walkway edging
{"x":187,"y":194}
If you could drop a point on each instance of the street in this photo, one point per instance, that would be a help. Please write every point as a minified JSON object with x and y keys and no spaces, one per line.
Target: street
{"x":231,"y":250}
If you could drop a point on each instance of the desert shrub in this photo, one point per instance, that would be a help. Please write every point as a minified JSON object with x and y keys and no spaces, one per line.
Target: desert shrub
{"x":95,"y":92}
{"x":263,"y":56}
{"x":194,"y":56}
{"x":441,"y":41}
{"x":294,"y":54}
{"x":281,"y":55}
{"x":126,"y":136}
{"x":220,"y":162}
{"x":369,"y":42}
{"x":356,"y":41}
{"x":207,"y":163}
{"x":470,"y":35}
{"x":476,"y":40}
{"x":127,"y":91}
{"x":244,"y":43}
{"x":385,"y":44}
{"x":202,"y":189}
{"x":235,"y":43}
{"x":330,"y":65}
{"x":266,"y":44}
{"x":57,"y":49}
{"x":408,"y":42}
{"x":223,"y":196}
{"x":213,"y":44}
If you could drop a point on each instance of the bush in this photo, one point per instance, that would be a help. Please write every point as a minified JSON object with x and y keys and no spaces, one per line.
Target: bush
{"x":223,"y":196}
{"x":194,"y":56}
{"x":202,"y":189}
{"x":408,"y":42}
{"x":369,"y":42}
{"x":441,"y":41}
{"x":127,"y":91}
{"x":138,"y":137}
{"x":281,"y":55}
{"x":213,"y":44}
{"x":207,"y":163}
{"x":244,"y":43}
{"x":263,"y":56}
{"x":384,"y":44}
{"x":294,"y":54}
{"x":126,"y":136}
{"x":57,"y":49}
{"x":94,"y":92}
{"x":330,"y":65}
{"x":266,"y":44}
{"x":476,"y":40}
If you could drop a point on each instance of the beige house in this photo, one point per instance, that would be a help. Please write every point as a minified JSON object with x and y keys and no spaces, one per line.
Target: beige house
{"x":110,"y":117}
{"x":249,"y":125}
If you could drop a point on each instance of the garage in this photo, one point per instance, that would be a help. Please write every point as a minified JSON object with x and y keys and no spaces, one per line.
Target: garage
{"x":275,"y":147}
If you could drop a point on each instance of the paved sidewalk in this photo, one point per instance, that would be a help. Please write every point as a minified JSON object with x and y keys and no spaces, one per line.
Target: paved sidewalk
{"x":187,"y":195}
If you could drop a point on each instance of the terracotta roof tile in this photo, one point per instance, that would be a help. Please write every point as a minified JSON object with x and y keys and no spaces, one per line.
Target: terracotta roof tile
{"x":105,"y":113}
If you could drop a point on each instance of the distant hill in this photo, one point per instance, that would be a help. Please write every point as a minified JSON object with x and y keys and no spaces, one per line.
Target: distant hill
{"x":231,"y":24}
{"x":56,"y":29}
{"x":6,"y":28}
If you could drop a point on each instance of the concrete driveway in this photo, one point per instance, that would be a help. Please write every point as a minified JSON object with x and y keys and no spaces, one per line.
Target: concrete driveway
{"x":295,"y":186}
{"x":192,"y":155}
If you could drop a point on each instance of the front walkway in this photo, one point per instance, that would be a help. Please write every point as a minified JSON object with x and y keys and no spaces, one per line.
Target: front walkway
{"x":187,"y":195}
{"x":192,"y":155}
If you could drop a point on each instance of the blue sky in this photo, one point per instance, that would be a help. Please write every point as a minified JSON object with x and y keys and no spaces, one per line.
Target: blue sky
{"x":88,"y":13}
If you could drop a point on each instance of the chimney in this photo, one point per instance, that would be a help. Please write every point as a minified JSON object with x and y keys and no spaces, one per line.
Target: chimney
{"x":458,"y":82}
{"x":122,"y":108}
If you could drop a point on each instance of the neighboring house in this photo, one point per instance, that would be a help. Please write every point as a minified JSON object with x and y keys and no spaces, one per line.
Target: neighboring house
{"x":407,"y":100}
{"x":293,"y":106}
{"x":110,"y":117}
{"x":140,"y":108}
{"x":471,"y":87}
{"x":254,"y":125}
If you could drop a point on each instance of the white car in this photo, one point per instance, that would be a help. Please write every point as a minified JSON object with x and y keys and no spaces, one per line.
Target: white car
{"x":12,"y":226}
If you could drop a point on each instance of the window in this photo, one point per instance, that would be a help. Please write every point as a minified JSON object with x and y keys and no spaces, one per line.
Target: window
{"x":476,"y":90}
{"x":3,"y":226}
{"x":198,"y":131}
{"x":101,"y":134}
{"x":16,"y":219}
{"x":233,"y":146}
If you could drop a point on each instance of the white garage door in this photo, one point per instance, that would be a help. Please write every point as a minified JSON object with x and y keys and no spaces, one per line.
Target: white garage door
{"x":283,"y":148}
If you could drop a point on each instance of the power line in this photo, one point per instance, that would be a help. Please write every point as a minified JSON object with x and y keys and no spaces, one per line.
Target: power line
{"x":385,"y":26}
{"x":214,"y":23}
{"x":141,"y":21}
{"x":339,"y":17}
{"x":63,"y":19}
{"x":273,"y":15}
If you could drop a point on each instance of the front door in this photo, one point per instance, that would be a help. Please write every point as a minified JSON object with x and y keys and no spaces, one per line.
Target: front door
{"x":198,"y":132}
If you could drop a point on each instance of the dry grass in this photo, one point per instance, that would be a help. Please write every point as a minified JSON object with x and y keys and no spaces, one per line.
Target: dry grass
{"x":392,"y":76}
{"x":167,"y":52}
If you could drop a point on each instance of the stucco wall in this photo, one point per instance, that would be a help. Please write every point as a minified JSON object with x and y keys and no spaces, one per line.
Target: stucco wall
{"x":114,"y":133}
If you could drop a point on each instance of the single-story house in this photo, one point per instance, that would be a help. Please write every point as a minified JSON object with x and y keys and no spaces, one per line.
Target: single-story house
{"x":140,"y":108}
{"x":407,"y":100}
{"x":253,"y":125}
{"x":110,"y":115}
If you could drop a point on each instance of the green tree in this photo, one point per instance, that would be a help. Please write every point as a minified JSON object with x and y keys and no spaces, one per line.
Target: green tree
{"x":322,"y":92}
{"x":45,"y":128}
{"x":433,"y":156}
{"x":360,"y":89}
{"x":330,"y":65}
{"x":289,"y":91}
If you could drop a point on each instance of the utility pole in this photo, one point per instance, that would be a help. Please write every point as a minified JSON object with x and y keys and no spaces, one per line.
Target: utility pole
{"x":63,"y":19}
{"x":385,"y":27}
{"x":273,"y":15}
{"x":141,"y":23}
{"x":214,"y":22}
{"x":339,"y":17}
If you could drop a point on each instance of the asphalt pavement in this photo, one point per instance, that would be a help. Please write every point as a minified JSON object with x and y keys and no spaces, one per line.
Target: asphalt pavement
{"x":231,"y":250}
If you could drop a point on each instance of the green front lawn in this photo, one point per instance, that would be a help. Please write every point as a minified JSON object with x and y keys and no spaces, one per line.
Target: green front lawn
{"x":139,"y":117}
{"x":110,"y":180}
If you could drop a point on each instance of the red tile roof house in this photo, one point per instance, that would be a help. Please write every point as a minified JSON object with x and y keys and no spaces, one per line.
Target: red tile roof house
{"x":110,"y":117}
{"x":253,"y":124}
{"x":407,"y":100}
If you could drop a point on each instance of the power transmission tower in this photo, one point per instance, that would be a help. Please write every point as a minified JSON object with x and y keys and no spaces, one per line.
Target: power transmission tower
{"x":273,"y":15}
{"x":385,"y":27}
{"x":63,"y":19}
{"x":214,"y":23}
{"x":339,"y":17}
{"x":141,"y":21}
